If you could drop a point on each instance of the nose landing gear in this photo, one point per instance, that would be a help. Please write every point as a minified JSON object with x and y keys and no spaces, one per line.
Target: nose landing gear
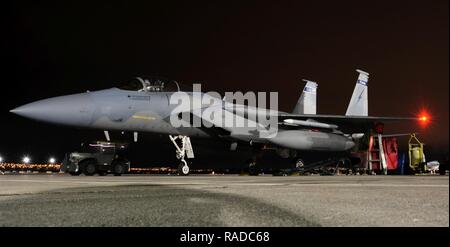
{"x":183,"y":149}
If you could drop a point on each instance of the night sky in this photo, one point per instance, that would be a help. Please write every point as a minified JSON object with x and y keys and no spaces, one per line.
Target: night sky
{"x":62,"y":48}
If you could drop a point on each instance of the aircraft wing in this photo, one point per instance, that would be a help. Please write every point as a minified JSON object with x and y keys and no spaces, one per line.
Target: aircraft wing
{"x":346,"y":124}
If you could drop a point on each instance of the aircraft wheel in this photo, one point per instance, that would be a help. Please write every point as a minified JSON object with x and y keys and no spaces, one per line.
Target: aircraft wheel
{"x":89,"y":168}
{"x":252,"y":169}
{"x":183,"y":168}
{"x":299,"y":163}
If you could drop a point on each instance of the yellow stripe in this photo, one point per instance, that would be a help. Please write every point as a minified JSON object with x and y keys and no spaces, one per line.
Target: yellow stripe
{"x":144,"y":117}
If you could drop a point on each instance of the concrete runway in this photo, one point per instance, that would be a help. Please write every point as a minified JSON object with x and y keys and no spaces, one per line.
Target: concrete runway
{"x":141,"y":200}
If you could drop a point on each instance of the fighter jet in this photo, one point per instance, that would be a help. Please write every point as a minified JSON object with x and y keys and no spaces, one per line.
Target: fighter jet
{"x":153,"y":105}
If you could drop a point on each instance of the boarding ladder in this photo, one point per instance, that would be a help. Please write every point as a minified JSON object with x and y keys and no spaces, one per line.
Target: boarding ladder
{"x":375,"y":155}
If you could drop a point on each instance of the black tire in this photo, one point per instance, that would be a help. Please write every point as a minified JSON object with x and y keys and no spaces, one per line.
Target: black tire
{"x":89,"y":167}
{"x":253,"y":170}
{"x":118,"y":168}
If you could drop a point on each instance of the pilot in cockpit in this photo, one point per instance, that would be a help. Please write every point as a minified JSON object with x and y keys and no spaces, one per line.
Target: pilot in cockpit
{"x":149,"y":85}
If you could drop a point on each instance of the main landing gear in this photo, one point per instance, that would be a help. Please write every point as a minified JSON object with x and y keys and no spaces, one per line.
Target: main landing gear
{"x":183,"y":148}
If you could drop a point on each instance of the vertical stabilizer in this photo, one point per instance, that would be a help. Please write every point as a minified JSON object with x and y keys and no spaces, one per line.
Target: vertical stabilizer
{"x":306,"y":104}
{"x":359,"y":103}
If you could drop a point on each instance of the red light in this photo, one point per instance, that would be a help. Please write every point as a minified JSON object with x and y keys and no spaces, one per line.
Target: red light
{"x":424,"y":118}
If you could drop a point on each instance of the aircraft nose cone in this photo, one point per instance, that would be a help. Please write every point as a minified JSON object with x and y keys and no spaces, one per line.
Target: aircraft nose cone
{"x":73,"y":109}
{"x":16,"y":110}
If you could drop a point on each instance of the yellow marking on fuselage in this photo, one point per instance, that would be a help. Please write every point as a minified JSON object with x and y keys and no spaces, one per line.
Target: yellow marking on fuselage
{"x":144,"y":117}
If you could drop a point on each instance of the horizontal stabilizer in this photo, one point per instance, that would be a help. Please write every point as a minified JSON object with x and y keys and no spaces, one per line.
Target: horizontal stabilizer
{"x":396,"y":135}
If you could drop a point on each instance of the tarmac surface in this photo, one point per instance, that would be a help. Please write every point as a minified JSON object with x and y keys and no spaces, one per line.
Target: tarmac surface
{"x":218,"y":200}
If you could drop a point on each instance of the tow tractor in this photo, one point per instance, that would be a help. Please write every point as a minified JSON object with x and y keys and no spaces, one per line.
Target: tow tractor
{"x":100,"y":157}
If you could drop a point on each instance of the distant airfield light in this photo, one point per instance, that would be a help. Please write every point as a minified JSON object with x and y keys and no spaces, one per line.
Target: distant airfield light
{"x":52,"y":160}
{"x":26,"y":160}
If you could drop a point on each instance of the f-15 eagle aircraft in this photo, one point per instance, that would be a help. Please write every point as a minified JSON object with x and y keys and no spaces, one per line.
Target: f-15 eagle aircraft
{"x":150,"y":105}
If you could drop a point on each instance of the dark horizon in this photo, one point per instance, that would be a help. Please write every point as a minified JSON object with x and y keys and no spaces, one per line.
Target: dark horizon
{"x":61,"y":48}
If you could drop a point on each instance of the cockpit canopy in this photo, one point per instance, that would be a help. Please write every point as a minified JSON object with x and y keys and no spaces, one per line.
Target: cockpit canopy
{"x":151,"y":84}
